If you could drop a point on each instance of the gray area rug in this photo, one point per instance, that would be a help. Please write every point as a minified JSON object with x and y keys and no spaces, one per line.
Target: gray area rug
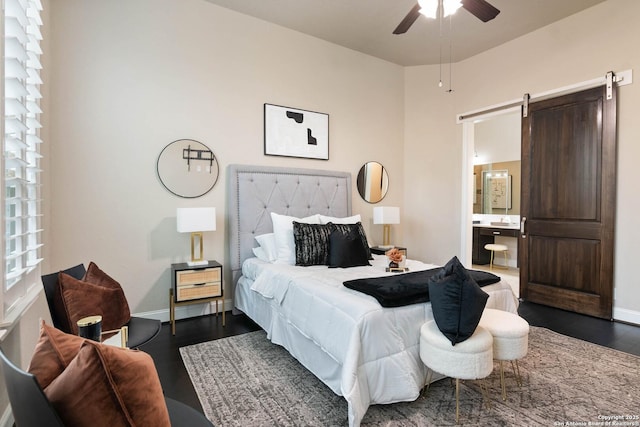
{"x":247,"y":381}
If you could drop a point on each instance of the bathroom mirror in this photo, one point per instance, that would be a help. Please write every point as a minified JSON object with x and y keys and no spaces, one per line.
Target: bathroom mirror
{"x":496,"y":192}
{"x":488,"y":184}
{"x":372,"y":182}
{"x":187,"y":168}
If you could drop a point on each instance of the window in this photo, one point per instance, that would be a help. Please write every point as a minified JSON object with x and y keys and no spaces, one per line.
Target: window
{"x":21,"y":149}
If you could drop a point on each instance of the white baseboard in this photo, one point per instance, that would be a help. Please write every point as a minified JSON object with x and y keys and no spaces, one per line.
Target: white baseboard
{"x":186,"y":311}
{"x":628,"y":316}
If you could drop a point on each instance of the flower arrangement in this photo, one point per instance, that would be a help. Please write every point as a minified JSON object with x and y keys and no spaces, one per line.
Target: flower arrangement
{"x":395,"y":257}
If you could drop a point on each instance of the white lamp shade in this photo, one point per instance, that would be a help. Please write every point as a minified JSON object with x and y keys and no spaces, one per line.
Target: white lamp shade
{"x":386,"y":215}
{"x":196,"y":219}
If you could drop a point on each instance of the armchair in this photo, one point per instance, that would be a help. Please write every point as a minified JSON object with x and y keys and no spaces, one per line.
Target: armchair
{"x":141,"y":330}
{"x":31,"y":408}
{"x":29,"y":404}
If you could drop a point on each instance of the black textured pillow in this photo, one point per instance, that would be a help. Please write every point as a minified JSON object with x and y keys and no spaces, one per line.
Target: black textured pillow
{"x":346,"y":250}
{"x":457,"y":301}
{"x":346,"y":229}
{"x":312,"y":243}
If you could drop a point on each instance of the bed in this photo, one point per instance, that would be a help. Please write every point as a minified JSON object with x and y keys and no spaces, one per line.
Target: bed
{"x":364,"y":352}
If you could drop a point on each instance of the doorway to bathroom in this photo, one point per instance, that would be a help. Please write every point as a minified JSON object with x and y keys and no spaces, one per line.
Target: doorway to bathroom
{"x":496,"y":195}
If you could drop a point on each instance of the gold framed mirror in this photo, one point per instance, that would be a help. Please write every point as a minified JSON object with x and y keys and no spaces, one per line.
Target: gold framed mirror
{"x":372,"y":182}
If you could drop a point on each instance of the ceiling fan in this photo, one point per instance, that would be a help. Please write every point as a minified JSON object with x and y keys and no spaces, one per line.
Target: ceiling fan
{"x":481,"y":9}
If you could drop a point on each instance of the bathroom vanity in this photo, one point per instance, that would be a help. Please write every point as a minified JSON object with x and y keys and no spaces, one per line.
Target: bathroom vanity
{"x":487,"y":233}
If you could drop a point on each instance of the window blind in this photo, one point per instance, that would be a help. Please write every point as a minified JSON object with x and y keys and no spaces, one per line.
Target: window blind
{"x":21,"y":144}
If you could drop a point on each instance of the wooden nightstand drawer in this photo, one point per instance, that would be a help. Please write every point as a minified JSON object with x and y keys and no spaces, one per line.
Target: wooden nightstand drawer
{"x":197,"y":277}
{"x":195,"y":284}
{"x":207,"y":290}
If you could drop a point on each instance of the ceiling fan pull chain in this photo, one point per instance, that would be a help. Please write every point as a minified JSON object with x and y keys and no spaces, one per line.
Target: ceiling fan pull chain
{"x":450,"y":52}
{"x":440,"y":43}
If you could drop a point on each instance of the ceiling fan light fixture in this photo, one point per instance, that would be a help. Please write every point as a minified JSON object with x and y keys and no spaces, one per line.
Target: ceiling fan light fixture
{"x":435,"y":9}
{"x":450,"y":6}
{"x":429,"y":8}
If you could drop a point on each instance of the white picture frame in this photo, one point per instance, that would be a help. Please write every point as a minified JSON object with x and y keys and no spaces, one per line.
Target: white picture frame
{"x":500,"y":191}
{"x":293,"y":132}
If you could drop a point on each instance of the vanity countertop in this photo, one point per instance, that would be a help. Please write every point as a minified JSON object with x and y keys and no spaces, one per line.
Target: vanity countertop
{"x":512,"y":226}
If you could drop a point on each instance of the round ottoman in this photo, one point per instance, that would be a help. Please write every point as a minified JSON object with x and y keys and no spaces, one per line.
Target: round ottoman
{"x":468,"y":360}
{"x":510,"y":339}
{"x":495,"y":247}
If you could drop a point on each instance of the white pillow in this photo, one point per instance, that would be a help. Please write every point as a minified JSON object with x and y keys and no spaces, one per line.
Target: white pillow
{"x":345,"y":220}
{"x":267,"y":243}
{"x":261,"y":254}
{"x":283,"y":231}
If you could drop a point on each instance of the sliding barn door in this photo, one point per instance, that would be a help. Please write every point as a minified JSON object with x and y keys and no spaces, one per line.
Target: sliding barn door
{"x":568,"y":202}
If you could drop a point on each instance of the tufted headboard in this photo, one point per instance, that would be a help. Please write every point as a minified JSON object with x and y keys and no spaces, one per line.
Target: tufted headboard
{"x":253,"y":192}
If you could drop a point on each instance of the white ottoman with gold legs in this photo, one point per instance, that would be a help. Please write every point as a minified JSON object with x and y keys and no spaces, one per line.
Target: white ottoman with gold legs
{"x":494,"y":247}
{"x":471,"y":359}
{"x":510,"y":340}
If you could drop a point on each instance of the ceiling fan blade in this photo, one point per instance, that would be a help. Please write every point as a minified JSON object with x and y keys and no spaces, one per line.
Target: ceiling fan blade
{"x":408,"y":20}
{"x":481,"y":9}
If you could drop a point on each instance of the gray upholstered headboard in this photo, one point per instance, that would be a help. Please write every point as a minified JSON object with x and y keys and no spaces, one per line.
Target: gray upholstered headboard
{"x":253,"y":192}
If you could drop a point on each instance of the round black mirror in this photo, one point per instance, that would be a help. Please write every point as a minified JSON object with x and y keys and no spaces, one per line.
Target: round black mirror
{"x":372,"y":182}
{"x":187,"y":168}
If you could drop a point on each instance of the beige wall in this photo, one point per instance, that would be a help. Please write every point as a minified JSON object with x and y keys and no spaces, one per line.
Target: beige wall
{"x":579,"y":48}
{"x":432,"y":166}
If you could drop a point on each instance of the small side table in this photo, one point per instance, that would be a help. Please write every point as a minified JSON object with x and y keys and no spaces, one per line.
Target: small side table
{"x":377,"y":250}
{"x":195,"y":285}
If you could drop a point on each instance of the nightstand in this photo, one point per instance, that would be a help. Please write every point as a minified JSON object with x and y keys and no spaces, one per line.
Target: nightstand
{"x":195,"y":285}
{"x":381,"y":251}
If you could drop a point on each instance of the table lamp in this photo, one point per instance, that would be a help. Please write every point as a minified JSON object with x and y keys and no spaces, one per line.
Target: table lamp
{"x":386,"y":215}
{"x":196,"y":221}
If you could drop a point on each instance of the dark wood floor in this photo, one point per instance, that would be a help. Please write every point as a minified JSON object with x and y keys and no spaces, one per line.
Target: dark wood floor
{"x":177,"y":385}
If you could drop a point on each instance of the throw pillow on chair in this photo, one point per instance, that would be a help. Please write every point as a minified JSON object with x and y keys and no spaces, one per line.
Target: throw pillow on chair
{"x":118,"y":386}
{"x":81,"y":299}
{"x":96,"y":276}
{"x":87,"y":381}
{"x":53,"y":353}
{"x":95,"y":294}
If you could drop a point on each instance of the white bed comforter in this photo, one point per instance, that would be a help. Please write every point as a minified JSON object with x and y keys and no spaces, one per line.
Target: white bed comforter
{"x":375,"y":349}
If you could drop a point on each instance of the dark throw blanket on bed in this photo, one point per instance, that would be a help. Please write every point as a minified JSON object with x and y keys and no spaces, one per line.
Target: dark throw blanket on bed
{"x":408,"y":288}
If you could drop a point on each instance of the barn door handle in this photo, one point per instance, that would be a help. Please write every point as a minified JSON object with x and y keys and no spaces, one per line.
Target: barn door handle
{"x":523,"y":222}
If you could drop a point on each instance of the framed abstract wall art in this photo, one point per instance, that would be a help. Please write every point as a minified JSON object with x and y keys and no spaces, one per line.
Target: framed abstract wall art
{"x":293,"y":132}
